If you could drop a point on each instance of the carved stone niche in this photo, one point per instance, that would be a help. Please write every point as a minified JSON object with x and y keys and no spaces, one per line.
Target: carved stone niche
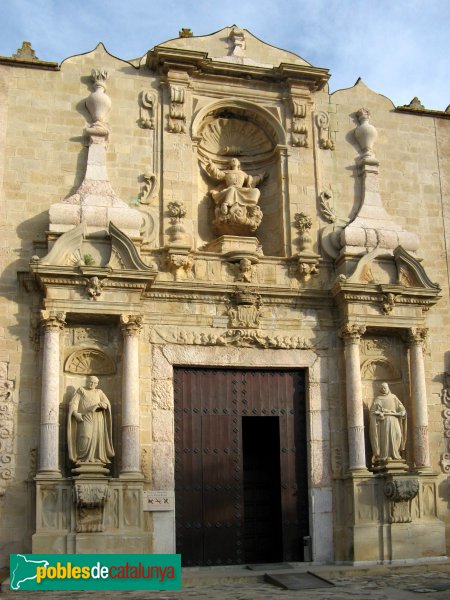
{"x":400,"y":492}
{"x":240,"y":167}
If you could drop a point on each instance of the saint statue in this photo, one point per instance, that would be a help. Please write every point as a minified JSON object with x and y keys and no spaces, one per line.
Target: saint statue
{"x":236,"y":201}
{"x":387,"y":427}
{"x":89,"y":427}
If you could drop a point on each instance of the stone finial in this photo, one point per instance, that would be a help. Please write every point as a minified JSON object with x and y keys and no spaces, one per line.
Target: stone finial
{"x":416,"y":104}
{"x":365,"y":133}
{"x":26,"y":52}
{"x":237,"y":40}
{"x":185,"y":33}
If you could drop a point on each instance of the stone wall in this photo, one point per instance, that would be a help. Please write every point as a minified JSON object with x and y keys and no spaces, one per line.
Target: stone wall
{"x":156,"y":155}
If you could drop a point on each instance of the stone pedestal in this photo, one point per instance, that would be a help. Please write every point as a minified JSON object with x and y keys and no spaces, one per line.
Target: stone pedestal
{"x":235,"y":247}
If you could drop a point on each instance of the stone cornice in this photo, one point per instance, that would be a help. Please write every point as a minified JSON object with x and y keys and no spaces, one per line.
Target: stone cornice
{"x":164,"y":59}
{"x":425,"y":112}
{"x":11,"y":61}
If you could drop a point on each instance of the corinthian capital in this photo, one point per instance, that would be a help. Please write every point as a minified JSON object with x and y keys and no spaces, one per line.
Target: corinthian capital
{"x":131,"y":324}
{"x":52,"y":319}
{"x":416,"y":336}
{"x":352,"y":332}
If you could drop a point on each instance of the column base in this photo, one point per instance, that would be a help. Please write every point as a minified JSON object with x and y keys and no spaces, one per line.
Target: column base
{"x":135,"y":475}
{"x":50,"y":474}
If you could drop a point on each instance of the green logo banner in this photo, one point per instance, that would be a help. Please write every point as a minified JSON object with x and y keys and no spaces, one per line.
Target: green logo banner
{"x":95,"y":572}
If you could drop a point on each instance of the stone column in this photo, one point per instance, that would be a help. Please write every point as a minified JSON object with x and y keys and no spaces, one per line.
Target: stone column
{"x":52,"y":323}
{"x":131,"y":327}
{"x":351,"y":333}
{"x":415,"y":339}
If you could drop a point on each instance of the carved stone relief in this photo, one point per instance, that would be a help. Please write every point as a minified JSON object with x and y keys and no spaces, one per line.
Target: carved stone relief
{"x":7,"y":410}
{"x":244,"y":311}
{"x":90,"y":500}
{"x":177,"y":115}
{"x":147,"y":101}
{"x":90,"y":361}
{"x":445,"y":458}
{"x":299,"y":130}
{"x":323,"y":125}
{"x":243,"y":338}
{"x":307,"y":260}
{"x":401,"y":492}
{"x":236,"y":199}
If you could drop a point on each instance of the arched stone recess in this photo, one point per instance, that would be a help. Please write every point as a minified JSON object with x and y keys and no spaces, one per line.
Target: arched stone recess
{"x":166,"y":357}
{"x":90,"y":361}
{"x":235,"y":128}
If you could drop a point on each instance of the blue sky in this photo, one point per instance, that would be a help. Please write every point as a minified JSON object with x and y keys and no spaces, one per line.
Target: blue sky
{"x":400,"y":48}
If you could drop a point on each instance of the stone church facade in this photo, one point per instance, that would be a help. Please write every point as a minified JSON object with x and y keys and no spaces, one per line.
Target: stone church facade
{"x":224,"y":319}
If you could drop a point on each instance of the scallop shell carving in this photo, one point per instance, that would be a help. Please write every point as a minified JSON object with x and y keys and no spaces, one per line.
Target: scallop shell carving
{"x":235,"y":137}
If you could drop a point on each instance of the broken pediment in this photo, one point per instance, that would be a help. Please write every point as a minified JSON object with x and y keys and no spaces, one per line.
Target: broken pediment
{"x":76,"y":249}
{"x":233,"y":51}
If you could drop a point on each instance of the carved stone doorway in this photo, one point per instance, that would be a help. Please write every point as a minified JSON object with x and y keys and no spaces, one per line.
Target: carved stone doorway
{"x":240,"y":465}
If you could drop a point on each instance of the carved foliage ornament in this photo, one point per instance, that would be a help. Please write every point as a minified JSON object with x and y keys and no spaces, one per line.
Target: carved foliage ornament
{"x":352,"y":331}
{"x":236,"y":337}
{"x":400,"y":492}
{"x":90,"y":500}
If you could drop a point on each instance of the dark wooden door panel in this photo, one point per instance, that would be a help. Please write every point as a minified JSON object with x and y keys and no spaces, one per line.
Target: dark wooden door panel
{"x":214,"y":524}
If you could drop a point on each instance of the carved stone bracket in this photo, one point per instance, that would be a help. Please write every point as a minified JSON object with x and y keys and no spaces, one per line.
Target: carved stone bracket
{"x":299,"y":130}
{"x":94,"y":287}
{"x":180,"y":262}
{"x":90,"y":499}
{"x":323,"y":125}
{"x":7,"y":409}
{"x":146,"y":110}
{"x":388,"y":302}
{"x":177,"y":116}
{"x":400,"y":492}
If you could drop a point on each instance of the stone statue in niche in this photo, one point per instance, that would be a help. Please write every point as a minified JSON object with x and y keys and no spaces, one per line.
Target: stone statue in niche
{"x":387,"y":428}
{"x":236,"y":201}
{"x":89,"y":427}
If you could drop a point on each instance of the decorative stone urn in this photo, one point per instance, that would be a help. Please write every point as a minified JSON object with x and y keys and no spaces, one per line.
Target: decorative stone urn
{"x":99,"y":103}
{"x":365,"y":133}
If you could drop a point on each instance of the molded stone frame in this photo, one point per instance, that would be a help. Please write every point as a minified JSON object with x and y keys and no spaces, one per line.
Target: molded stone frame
{"x":274,"y":161}
{"x":165,"y":358}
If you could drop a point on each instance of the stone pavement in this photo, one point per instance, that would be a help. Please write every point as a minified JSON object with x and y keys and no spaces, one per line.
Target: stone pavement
{"x":425,"y":581}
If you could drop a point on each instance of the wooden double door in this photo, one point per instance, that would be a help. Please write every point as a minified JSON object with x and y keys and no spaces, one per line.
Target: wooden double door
{"x":240,"y":465}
